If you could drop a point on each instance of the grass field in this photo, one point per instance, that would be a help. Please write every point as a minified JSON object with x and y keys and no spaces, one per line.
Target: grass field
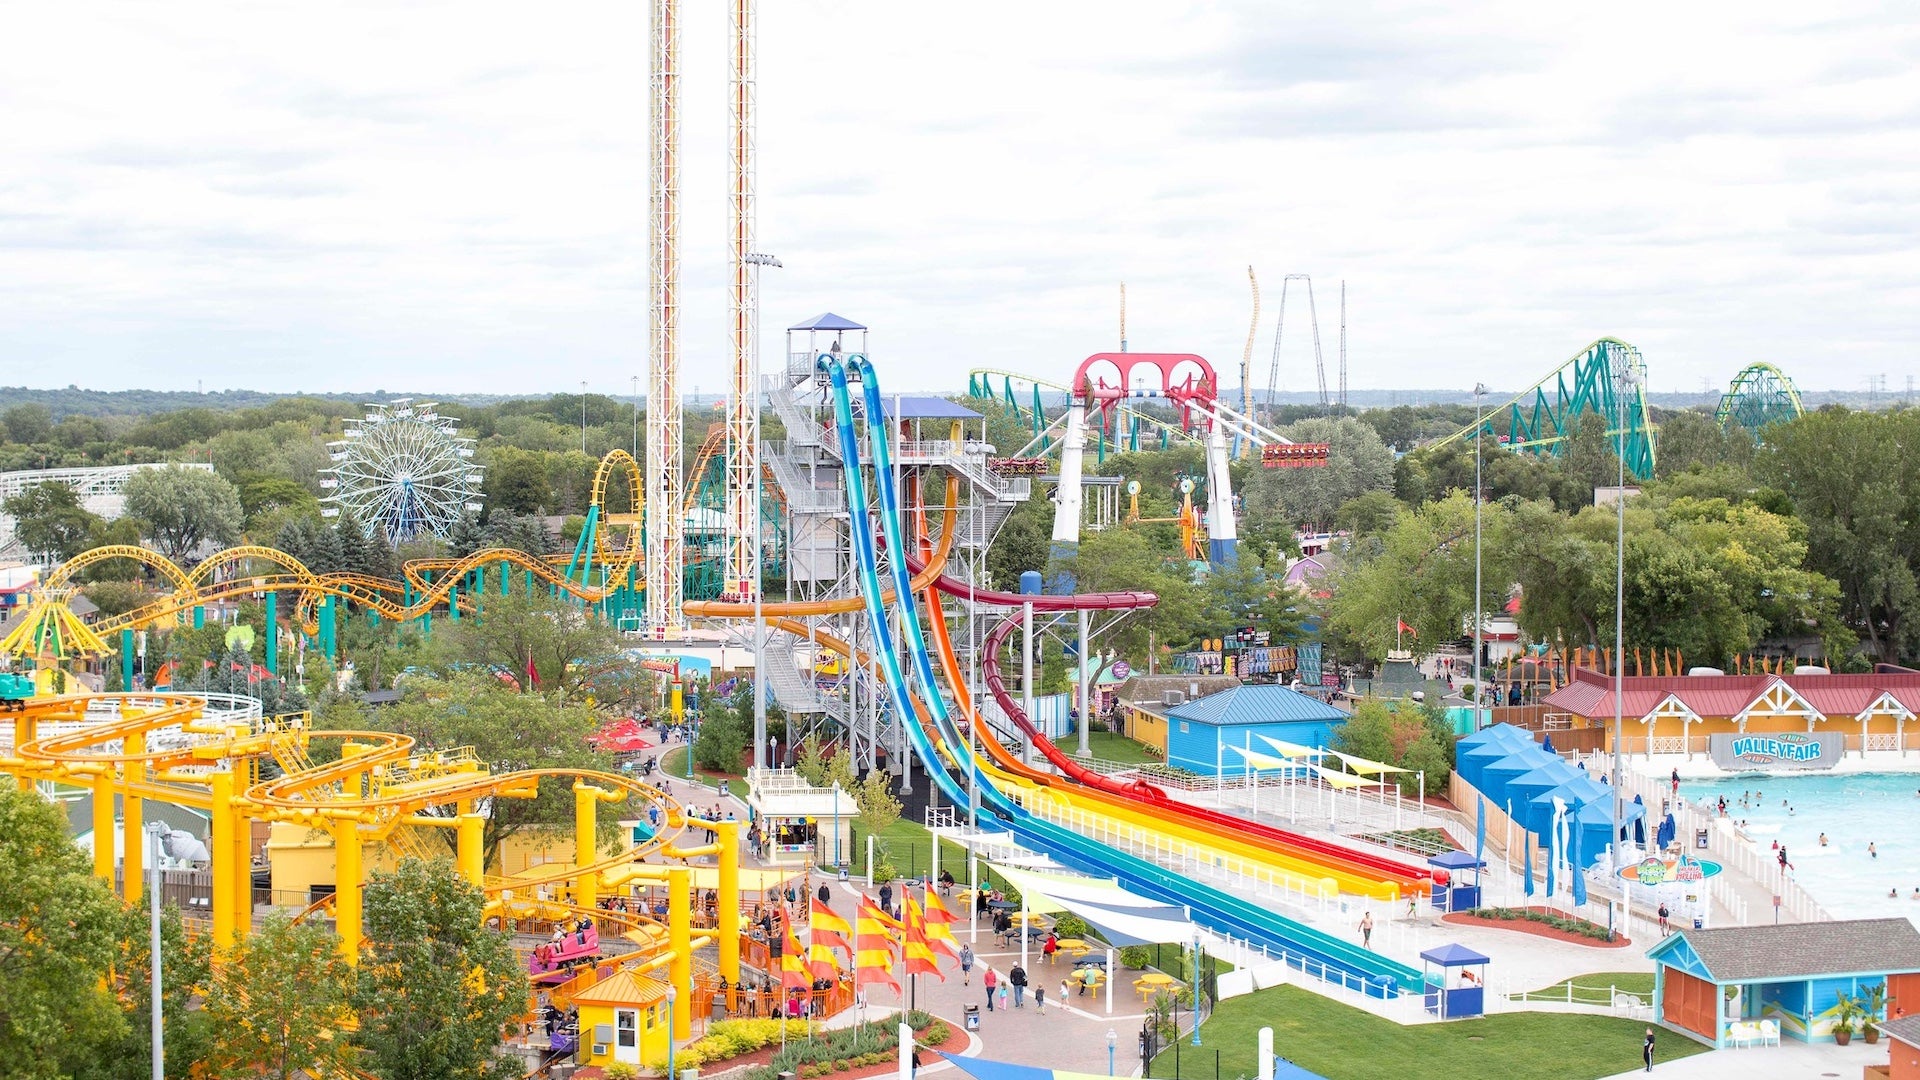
{"x":1339,"y":1041}
{"x":1107,"y":746}
{"x":1597,"y":988}
{"x":673,"y":764}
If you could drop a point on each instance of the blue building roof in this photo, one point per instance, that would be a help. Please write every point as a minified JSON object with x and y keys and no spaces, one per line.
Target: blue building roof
{"x":924,"y":407}
{"x":1256,"y":705}
{"x":827,"y":321}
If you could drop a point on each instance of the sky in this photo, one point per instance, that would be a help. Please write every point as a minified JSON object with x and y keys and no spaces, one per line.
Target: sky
{"x":453,"y":196}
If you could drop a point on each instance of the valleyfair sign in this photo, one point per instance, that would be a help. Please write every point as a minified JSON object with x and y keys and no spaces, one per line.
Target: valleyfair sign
{"x":1786,"y":750}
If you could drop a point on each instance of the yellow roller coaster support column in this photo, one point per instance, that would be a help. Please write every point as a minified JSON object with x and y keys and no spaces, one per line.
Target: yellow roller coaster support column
{"x":22,"y":735}
{"x":729,"y":907}
{"x":103,"y":827}
{"x":680,"y":946}
{"x":240,"y":865}
{"x":470,"y":847}
{"x":223,"y":844}
{"x":346,"y":887}
{"x":133,"y":835}
{"x":222,"y":850}
{"x":586,"y":842}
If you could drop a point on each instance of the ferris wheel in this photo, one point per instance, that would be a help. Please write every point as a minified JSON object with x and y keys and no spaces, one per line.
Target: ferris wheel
{"x":402,"y":471}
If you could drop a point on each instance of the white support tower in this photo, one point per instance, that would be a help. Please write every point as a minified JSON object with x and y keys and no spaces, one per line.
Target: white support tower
{"x":664,"y":520}
{"x":742,"y":567}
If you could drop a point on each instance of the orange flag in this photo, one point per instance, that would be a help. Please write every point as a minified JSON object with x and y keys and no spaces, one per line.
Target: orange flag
{"x":919,"y":952}
{"x":829,"y":929}
{"x":793,"y":962}
{"x":873,"y":943}
{"x":939,"y":928}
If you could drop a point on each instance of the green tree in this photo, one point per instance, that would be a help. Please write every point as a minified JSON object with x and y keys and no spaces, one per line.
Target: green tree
{"x":436,"y":988}
{"x":1690,"y":440}
{"x":1371,"y":513}
{"x":1357,"y":462}
{"x":724,"y":734}
{"x":261,"y":494}
{"x":1414,"y":739}
{"x":1419,"y":571}
{"x":516,"y":482}
{"x":279,"y":1003}
{"x":1022,"y":544}
{"x":184,"y":508}
{"x":878,"y":810}
{"x":1854,"y":479}
{"x":1589,"y":459}
{"x":1125,"y":560}
{"x":59,"y":937}
{"x":50,"y":522}
{"x":566,"y":645}
{"x":126,"y":1053}
{"x":28,"y":423}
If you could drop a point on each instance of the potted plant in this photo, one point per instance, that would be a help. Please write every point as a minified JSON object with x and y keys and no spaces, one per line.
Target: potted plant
{"x":1875,"y":999}
{"x":1846,"y":1017}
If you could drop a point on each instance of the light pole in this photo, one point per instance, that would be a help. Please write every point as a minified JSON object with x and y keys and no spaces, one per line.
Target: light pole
{"x":1479,"y":430}
{"x":672,"y":993}
{"x":1113,"y":1039}
{"x":636,"y":418}
{"x":1195,"y":985}
{"x":1628,"y":381}
{"x":158,"y":831}
{"x":583,"y":416}
{"x":757,"y":260}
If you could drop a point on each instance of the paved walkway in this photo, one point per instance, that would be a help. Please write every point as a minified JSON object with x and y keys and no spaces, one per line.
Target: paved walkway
{"x":1790,"y":1060}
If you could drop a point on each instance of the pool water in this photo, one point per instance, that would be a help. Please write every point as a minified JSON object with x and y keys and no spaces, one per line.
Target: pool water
{"x":1854,"y":810}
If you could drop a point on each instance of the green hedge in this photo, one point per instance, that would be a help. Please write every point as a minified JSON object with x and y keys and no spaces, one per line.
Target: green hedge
{"x":1559,"y":922}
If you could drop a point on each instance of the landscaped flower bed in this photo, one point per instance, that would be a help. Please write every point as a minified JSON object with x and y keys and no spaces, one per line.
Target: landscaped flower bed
{"x":1540,"y":922}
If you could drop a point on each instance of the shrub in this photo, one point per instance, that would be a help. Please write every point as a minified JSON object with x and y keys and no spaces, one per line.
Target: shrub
{"x":620,"y":1070}
{"x":1069,"y":925}
{"x":1559,"y":922}
{"x":1135,"y":957}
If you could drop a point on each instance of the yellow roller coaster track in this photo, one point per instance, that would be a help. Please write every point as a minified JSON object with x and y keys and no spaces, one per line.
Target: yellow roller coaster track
{"x":432,"y":581}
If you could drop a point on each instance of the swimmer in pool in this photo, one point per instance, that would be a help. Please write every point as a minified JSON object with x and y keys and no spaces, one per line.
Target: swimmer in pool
{"x":1872,"y":853}
{"x":1892,"y":893}
{"x":1823,"y":839}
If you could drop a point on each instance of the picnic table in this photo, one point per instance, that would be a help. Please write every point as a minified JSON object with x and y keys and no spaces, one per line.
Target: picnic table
{"x":1153,"y":982}
{"x":1073,"y":946}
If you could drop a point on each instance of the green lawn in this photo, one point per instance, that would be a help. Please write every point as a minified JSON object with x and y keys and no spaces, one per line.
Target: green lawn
{"x":1339,"y":1041}
{"x":673,"y":763}
{"x":1595,"y":989}
{"x":1107,"y":746}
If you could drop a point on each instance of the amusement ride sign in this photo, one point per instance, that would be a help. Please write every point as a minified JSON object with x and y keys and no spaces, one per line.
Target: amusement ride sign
{"x":1781,"y":750}
{"x":1654,"y":870}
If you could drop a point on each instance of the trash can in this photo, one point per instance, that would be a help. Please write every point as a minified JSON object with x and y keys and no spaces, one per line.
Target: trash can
{"x":843,"y":873}
{"x":973,"y":1017}
{"x":717,"y":1008}
{"x":1700,"y":839}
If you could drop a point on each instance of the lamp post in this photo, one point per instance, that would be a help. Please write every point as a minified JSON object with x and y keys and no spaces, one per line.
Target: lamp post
{"x":672,"y":1045}
{"x":1113,"y":1040}
{"x":1479,"y":429}
{"x":636,"y":418}
{"x":158,"y":831}
{"x":1194,"y":985}
{"x":761,"y":758}
{"x":583,"y":416}
{"x":1629,"y":379}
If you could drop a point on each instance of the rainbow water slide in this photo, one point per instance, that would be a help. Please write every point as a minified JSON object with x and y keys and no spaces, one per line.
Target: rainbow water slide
{"x":1210,"y":907}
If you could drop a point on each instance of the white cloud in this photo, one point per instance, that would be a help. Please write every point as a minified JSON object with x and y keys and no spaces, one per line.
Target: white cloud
{"x":452,"y":196}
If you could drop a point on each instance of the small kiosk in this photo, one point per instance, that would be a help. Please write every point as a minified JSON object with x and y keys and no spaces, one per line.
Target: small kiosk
{"x":1455,"y":1002}
{"x":1456,"y":894}
{"x":800,"y":824}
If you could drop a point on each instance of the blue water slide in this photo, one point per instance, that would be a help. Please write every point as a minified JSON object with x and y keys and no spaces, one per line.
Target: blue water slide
{"x":1210,"y":907}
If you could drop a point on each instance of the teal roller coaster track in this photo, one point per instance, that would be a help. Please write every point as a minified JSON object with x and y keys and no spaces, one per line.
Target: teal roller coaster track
{"x":1540,"y":419}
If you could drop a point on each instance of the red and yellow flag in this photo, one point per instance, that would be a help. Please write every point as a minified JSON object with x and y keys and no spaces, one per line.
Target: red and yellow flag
{"x":793,"y":961}
{"x":939,"y":931}
{"x":938,"y":913}
{"x":919,"y":954}
{"x":829,"y":929}
{"x":873,"y":942}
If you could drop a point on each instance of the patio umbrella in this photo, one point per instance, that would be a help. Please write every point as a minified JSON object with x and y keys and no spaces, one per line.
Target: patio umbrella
{"x":1640,"y":824}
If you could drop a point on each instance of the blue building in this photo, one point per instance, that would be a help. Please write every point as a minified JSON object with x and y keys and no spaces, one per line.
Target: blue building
{"x":1202,"y":733}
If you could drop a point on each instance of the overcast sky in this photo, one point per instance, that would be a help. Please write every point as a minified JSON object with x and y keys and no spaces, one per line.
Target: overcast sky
{"x":453,"y":196}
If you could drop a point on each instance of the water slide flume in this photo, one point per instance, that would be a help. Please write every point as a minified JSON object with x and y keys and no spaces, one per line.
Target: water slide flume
{"x":1216,"y":910}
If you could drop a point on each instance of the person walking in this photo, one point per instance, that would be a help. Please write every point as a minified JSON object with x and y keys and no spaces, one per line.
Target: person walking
{"x":886,"y":896}
{"x":1040,"y":997}
{"x":1646,"y":1050}
{"x":966,"y":965}
{"x":1018,"y":977}
{"x":826,"y":894}
{"x":1366,"y":930}
{"x":1664,"y":913}
{"x":1063,"y":993}
{"x":992,"y":983}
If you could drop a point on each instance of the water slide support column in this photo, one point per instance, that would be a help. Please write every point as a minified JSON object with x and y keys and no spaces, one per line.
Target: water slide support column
{"x":1026,"y":675}
{"x":680,"y":943}
{"x":1085,"y":684}
{"x":1068,"y":495}
{"x":1221,"y":532}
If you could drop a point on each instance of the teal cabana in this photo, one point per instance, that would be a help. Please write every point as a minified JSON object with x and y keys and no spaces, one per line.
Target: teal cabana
{"x":1721,"y":985}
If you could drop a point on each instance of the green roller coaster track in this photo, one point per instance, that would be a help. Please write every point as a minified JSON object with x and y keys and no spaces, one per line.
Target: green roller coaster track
{"x":1760,"y":395}
{"x":1540,"y":418}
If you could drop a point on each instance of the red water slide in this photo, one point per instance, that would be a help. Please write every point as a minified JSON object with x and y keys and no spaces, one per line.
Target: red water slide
{"x":1140,"y":790}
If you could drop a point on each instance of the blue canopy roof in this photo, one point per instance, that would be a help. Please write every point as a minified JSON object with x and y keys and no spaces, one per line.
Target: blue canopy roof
{"x":1257,"y":705}
{"x":1455,"y":860}
{"x":827,"y":321}
{"x":924,"y":407}
{"x":1452,"y":955}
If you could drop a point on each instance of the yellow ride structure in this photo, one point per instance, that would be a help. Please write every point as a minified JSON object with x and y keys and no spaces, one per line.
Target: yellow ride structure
{"x":380,"y":790}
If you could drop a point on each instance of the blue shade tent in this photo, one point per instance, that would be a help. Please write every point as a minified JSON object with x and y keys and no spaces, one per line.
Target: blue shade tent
{"x":1640,"y":822}
{"x":827,"y":321}
{"x":1524,"y":787}
{"x":1496,"y":776}
{"x":1546,"y":743}
{"x":1472,"y":753}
